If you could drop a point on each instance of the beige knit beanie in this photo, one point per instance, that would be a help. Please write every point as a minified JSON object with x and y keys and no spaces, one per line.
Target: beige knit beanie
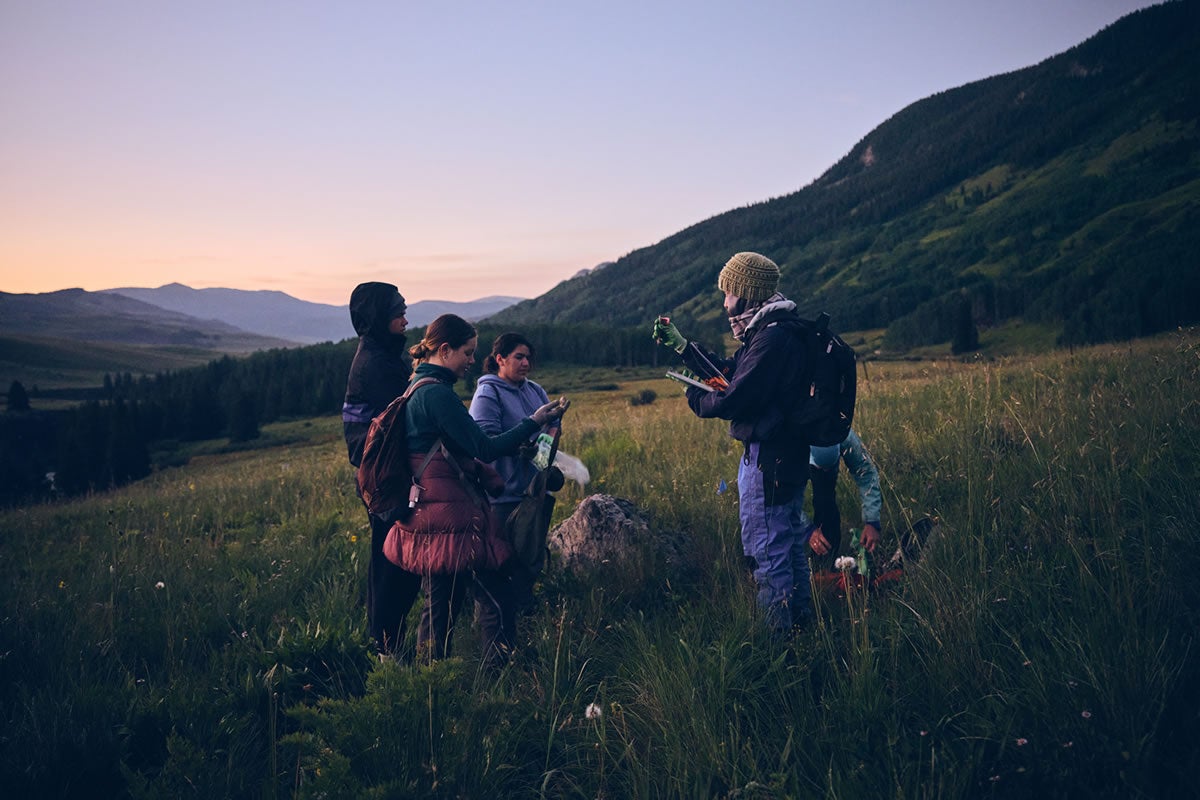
{"x":751,"y":276}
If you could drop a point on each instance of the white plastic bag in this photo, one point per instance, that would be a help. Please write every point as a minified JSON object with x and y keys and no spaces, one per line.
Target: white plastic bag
{"x":572,"y":468}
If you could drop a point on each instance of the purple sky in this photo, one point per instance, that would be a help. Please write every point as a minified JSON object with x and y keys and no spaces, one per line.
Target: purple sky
{"x":456,"y":149}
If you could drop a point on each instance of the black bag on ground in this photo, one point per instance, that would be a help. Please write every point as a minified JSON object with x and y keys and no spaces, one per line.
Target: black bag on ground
{"x":823,"y":415}
{"x":384,"y":474}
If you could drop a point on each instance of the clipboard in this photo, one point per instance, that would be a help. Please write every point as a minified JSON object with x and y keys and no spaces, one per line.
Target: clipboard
{"x":675,"y":376}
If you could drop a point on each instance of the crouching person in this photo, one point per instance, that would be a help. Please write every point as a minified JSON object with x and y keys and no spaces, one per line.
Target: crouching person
{"x":451,"y":537}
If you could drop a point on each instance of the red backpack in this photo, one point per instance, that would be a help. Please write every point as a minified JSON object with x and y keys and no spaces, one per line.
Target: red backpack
{"x":384,"y":474}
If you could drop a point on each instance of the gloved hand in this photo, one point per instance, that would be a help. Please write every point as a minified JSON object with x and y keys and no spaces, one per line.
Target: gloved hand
{"x":666,"y":333}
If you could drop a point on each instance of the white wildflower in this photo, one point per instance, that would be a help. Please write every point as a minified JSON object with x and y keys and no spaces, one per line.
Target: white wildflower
{"x":593,"y":711}
{"x":160,"y":585}
{"x":845,"y":563}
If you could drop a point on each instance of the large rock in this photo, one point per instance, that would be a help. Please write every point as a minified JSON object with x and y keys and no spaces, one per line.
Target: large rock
{"x":613,"y":531}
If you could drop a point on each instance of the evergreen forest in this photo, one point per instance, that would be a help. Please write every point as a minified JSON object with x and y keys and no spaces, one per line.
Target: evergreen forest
{"x":120,"y":431}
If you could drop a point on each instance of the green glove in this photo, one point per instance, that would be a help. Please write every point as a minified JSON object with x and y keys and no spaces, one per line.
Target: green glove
{"x":666,"y":333}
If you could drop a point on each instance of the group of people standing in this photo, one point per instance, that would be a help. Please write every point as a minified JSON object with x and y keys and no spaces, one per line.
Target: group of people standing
{"x":508,"y":411}
{"x":451,"y":542}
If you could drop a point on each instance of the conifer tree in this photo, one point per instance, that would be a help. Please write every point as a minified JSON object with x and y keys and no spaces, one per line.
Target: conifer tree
{"x":18,"y":399}
{"x":966,"y":334}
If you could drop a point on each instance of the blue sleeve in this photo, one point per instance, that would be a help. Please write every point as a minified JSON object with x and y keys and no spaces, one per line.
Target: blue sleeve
{"x":865,"y":474}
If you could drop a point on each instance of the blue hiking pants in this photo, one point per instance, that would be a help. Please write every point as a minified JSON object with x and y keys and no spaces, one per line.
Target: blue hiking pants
{"x":774,"y":535}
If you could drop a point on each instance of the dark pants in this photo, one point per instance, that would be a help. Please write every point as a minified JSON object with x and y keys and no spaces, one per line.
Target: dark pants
{"x":391,"y":592}
{"x":826,"y":515}
{"x":521,"y":577}
{"x":444,"y":595}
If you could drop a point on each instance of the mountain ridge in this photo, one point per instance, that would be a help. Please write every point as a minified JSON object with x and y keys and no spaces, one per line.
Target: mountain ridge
{"x":219,"y":319}
{"x":271,"y":312}
{"x":1066,"y":193}
{"x":96,"y":316}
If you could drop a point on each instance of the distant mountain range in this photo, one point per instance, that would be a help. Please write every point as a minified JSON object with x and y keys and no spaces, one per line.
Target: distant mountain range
{"x":222,"y":320}
{"x":1063,"y":197}
{"x":102,"y":317}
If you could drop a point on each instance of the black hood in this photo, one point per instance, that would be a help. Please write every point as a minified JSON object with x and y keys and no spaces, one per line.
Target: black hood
{"x":371,"y":309}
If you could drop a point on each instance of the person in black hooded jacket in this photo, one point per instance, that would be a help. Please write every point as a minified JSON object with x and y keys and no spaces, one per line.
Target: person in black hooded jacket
{"x":378,"y":375}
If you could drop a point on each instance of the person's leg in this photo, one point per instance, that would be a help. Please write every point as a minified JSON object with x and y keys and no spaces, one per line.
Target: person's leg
{"x":825,"y":508}
{"x":768,"y":538}
{"x":391,"y":592}
{"x":443,"y":598}
{"x":519,"y":575}
{"x":496,"y":613}
{"x":801,"y":600}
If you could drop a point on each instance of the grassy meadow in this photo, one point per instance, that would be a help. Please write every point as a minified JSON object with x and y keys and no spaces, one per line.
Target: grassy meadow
{"x":201,"y":633}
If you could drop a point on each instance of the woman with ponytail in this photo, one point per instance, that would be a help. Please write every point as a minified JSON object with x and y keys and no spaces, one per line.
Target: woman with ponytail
{"x":451,"y":537}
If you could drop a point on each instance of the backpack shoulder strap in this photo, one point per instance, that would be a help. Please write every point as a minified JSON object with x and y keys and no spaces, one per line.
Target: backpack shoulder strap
{"x":437,"y":443}
{"x":417,"y":384}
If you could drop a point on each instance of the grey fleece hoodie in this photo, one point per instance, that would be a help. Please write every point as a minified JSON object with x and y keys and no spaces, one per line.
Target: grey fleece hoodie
{"x":498,"y":406}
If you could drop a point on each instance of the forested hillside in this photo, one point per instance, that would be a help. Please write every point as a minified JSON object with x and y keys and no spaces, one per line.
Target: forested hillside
{"x":1066,"y":194}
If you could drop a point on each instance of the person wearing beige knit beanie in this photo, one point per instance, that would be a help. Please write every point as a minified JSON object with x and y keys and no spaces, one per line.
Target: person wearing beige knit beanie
{"x":750,"y":276}
{"x":751,"y":389}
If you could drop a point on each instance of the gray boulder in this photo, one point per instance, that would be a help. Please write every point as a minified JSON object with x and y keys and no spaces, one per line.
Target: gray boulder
{"x":607,"y":530}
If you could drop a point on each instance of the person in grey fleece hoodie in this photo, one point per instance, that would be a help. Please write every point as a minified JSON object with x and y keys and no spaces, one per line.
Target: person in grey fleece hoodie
{"x":505,"y":395}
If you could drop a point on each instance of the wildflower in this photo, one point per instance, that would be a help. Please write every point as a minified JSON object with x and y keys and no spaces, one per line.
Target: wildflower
{"x":924,"y":733}
{"x":593,"y":711}
{"x":62,"y":584}
{"x":160,"y":585}
{"x":1022,"y":742}
{"x":1027,"y":664}
{"x":1086,"y":715}
{"x":353,"y":539}
{"x":994,"y":778}
{"x":722,"y":487}
{"x":846,"y":563}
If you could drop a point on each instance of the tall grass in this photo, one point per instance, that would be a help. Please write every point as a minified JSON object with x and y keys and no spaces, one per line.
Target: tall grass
{"x":201,"y":633}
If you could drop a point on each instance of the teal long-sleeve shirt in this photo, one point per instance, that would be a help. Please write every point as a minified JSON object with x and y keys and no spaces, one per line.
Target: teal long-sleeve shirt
{"x":435,"y":411}
{"x":860,"y":467}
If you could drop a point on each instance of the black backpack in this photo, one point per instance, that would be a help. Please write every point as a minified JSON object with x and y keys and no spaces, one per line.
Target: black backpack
{"x":822,"y":415}
{"x":384,"y":474}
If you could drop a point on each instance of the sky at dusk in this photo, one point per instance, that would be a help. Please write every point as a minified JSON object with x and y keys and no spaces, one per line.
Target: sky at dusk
{"x":456,"y":149}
